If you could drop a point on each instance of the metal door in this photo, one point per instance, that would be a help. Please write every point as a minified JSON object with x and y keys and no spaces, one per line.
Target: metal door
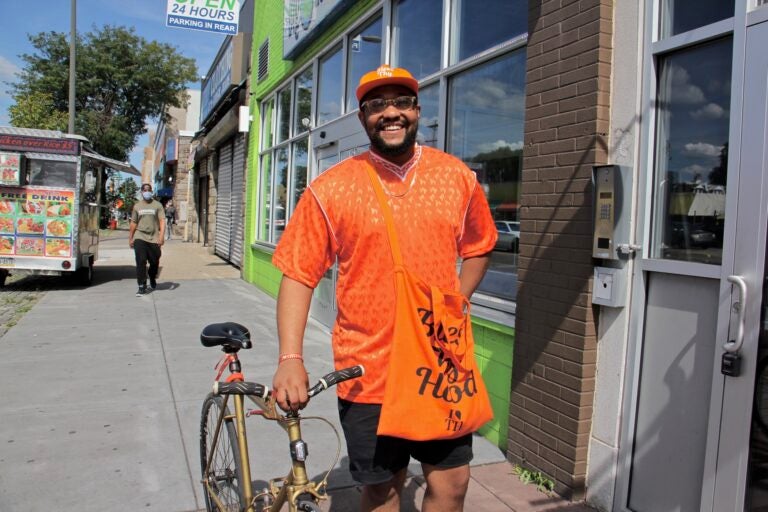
{"x":737,"y":463}
{"x":686,"y":438}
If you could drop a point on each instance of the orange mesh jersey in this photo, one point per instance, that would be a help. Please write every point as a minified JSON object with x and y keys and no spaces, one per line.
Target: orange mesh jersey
{"x":440,"y":213}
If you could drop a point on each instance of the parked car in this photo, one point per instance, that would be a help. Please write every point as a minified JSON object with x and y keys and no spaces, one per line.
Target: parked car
{"x":685,"y":235}
{"x":509,"y":235}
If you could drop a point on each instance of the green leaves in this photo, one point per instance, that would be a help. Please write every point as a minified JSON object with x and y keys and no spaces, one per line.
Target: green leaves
{"x":36,"y":110}
{"x":121,"y":81}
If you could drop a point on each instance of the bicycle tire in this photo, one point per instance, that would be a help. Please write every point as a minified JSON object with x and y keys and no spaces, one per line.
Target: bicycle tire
{"x":307,"y":506}
{"x":225,"y":473}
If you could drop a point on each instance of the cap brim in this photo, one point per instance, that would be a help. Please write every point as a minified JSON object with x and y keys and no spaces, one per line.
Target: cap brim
{"x":409,"y":83}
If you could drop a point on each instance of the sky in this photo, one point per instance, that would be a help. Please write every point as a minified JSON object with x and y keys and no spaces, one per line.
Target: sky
{"x":147,"y":17}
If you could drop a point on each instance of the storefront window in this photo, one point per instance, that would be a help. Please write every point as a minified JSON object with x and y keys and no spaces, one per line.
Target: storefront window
{"x":417,"y":36}
{"x":329,"y":88}
{"x":485,"y":124}
{"x":364,"y":55}
{"x":264,"y":198}
{"x":694,"y":97}
{"x":303,"y":102}
{"x":267,"y":110}
{"x":477,"y":29}
{"x":678,"y":16}
{"x":299,"y":172}
{"x":283,"y":114}
{"x":280,"y":194}
{"x":429,"y":99}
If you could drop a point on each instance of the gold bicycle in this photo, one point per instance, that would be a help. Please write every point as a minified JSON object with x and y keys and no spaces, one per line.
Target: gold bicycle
{"x":227,"y":484}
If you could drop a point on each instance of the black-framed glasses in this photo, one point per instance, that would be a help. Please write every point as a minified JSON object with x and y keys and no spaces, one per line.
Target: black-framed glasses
{"x":379,"y":105}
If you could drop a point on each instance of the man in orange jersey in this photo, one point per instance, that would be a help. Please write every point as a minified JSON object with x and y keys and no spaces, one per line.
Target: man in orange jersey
{"x":440,"y":213}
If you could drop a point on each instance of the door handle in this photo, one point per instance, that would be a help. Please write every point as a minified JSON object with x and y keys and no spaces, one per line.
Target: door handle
{"x":735,"y":345}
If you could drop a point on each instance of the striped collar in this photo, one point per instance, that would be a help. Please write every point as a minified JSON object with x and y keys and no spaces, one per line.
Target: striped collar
{"x":399,"y":171}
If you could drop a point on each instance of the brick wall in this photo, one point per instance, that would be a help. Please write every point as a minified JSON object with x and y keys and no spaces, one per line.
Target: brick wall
{"x":567,"y":98}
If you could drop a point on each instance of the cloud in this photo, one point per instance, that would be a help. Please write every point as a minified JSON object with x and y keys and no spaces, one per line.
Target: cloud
{"x":696,"y":169}
{"x":709,"y":111}
{"x":491,"y":146}
{"x":492,"y":95}
{"x":682,"y":90}
{"x":702,"y":149}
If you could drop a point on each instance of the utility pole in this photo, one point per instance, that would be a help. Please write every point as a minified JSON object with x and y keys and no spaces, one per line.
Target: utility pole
{"x":72,"y":39}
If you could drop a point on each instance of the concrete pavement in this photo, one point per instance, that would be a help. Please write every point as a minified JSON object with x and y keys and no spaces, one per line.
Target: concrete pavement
{"x":102,"y":394}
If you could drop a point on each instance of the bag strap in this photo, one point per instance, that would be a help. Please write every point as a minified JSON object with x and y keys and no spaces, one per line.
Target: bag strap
{"x":386,"y":211}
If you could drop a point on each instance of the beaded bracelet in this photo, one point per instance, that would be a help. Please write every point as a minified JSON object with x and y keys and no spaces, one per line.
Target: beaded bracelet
{"x":286,"y":357}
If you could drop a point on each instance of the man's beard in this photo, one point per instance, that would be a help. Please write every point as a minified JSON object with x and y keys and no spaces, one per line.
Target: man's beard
{"x":384,"y":149}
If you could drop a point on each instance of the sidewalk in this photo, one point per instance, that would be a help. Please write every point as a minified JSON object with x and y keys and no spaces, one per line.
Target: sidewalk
{"x":102,"y":394}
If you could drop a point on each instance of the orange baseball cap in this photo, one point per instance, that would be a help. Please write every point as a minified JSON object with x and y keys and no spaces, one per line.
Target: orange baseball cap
{"x":385,"y":75}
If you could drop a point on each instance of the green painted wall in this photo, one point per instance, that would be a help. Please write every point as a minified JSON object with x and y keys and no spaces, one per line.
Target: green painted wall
{"x":268,"y":23}
{"x":493,"y":342}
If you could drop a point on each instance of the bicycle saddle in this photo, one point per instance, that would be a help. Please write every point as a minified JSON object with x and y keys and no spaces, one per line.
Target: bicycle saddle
{"x":228,"y":334}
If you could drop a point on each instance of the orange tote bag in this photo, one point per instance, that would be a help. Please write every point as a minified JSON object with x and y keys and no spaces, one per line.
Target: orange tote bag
{"x":434,"y":389}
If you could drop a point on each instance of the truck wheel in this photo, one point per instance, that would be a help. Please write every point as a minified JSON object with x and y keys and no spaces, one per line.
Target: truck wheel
{"x":85,"y":274}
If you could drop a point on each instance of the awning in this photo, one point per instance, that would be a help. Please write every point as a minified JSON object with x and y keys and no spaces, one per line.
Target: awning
{"x":125,"y":167}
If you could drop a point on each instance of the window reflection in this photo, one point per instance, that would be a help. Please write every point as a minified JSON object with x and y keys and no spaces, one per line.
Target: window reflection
{"x":479,"y":29}
{"x":283,"y":114}
{"x":364,"y":55}
{"x":299,"y":174}
{"x":266,"y":123}
{"x":417,"y":36}
{"x":280,"y":192}
{"x":485,"y":124}
{"x":303,"y":102}
{"x":694,"y":96}
{"x":678,"y":16}
{"x":329,"y":88}
{"x":429,"y":99}
{"x":264,"y":200}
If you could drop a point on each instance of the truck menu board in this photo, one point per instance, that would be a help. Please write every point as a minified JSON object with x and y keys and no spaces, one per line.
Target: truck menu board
{"x":10,"y":168}
{"x":36,"y":222}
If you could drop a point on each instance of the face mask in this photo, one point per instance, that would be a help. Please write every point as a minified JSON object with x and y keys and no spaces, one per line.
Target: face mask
{"x":147,"y":195}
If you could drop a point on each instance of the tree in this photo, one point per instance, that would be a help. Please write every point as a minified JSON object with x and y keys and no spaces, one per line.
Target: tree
{"x":121,"y":81}
{"x":36,"y":110}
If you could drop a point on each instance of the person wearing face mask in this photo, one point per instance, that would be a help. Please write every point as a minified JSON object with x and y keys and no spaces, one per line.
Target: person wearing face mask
{"x":145,"y":237}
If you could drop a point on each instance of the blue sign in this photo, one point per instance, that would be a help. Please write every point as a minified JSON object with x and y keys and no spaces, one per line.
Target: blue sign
{"x":217,"y":83}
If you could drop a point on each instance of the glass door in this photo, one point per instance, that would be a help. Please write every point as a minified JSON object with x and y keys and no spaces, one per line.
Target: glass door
{"x":741,"y":477}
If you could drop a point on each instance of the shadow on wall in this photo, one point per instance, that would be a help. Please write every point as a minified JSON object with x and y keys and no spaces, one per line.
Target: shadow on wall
{"x":555,"y":341}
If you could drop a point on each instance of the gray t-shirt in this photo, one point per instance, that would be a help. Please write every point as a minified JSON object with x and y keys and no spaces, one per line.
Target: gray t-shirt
{"x":147,"y":218}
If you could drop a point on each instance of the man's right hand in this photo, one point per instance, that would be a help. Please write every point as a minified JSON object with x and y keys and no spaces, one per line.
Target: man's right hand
{"x":130,"y":243}
{"x":289,"y":385}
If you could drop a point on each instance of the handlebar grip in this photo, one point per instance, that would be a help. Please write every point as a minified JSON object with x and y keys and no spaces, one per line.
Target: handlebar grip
{"x":240,"y":388}
{"x":334,"y":378}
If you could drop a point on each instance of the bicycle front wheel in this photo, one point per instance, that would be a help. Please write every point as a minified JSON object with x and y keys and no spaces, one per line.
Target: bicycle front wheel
{"x":223,"y":478}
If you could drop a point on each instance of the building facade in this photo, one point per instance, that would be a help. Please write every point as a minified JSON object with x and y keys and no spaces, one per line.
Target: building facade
{"x":167,"y":160}
{"x":620,"y":144}
{"x":222,"y":145}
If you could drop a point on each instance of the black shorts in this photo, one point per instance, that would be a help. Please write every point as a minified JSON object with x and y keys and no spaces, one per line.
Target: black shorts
{"x":375,"y":459}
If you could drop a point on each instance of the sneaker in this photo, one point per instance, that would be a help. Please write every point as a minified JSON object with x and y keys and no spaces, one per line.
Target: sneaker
{"x":152,"y":283}
{"x":142,"y":291}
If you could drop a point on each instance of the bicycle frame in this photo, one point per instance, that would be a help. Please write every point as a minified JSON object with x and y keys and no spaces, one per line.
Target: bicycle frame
{"x":281,"y":490}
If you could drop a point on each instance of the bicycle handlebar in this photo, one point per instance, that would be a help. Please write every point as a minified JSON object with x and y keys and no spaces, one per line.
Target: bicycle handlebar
{"x":260,"y":390}
{"x":334,"y":378}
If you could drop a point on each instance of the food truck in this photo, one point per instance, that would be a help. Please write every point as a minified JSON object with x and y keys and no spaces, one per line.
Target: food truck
{"x":51,"y":195}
